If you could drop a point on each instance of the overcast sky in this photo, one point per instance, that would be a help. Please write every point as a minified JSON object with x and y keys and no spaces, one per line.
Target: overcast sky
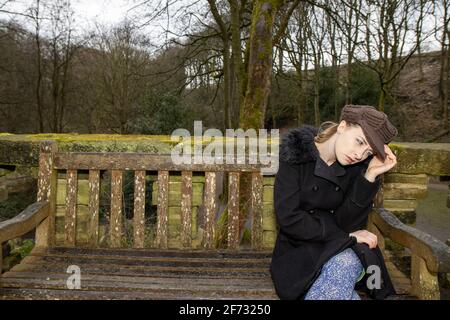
{"x":111,"y":12}
{"x":87,"y":11}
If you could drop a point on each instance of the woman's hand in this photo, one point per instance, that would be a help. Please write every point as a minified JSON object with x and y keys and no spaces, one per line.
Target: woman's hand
{"x":364,"y":236}
{"x":377,"y":166}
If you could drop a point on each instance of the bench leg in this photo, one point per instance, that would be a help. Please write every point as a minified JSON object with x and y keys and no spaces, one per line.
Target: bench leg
{"x":425,"y":285}
{"x":42,"y":233}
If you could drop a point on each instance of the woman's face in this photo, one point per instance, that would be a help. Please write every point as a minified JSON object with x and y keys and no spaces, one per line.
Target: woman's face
{"x":351,"y":144}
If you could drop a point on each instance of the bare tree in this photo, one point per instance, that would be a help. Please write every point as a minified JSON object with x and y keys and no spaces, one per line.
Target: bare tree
{"x":119,"y":73}
{"x":387,"y":28}
{"x":35,"y":14}
{"x":61,"y":52}
{"x":444,"y":29}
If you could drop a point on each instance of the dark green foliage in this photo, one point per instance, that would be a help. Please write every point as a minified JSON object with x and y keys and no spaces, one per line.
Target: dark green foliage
{"x":16,"y":203}
{"x":285,"y":95}
{"x":162,"y":112}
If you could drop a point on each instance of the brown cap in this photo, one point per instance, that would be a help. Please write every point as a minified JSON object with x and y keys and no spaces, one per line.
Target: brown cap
{"x":375,"y":125}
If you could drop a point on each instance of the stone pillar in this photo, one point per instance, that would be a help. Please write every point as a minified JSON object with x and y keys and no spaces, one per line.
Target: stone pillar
{"x":401,"y":192}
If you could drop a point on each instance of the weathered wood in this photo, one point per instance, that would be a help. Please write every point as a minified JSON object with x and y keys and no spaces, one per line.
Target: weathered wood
{"x":435,"y":253}
{"x":380,"y":238}
{"x":24,"y":222}
{"x":71,"y":208}
{"x":141,"y":161}
{"x":116,"y":208}
{"x":233,"y":210}
{"x":425,"y":284}
{"x":48,"y":294}
{"x":210,"y":209}
{"x":176,"y":273}
{"x":139,"y":209}
{"x":47,"y":177}
{"x":186,"y":209}
{"x":161,"y":263}
{"x":257,"y":210}
{"x":94,"y":201}
{"x":162,"y":210}
{"x":109,"y":285}
{"x":174,"y":253}
{"x":232,"y":282}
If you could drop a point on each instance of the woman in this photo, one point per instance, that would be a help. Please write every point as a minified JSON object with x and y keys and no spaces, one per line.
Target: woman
{"x":323,"y":193}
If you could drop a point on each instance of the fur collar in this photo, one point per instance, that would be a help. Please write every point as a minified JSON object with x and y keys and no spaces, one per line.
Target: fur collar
{"x":297,"y":145}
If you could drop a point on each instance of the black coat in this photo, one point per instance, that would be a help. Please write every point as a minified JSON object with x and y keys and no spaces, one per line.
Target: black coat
{"x":317,"y":206}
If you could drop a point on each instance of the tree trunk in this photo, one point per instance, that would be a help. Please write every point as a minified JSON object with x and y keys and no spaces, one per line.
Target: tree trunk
{"x":258,"y":86}
{"x":237,"y":56}
{"x":260,"y":65}
{"x":39,"y":70}
{"x":227,"y":84}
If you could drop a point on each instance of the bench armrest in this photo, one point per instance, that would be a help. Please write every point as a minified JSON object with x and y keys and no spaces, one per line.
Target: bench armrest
{"x":434,"y":252}
{"x":24,"y":222}
{"x":429,"y":256}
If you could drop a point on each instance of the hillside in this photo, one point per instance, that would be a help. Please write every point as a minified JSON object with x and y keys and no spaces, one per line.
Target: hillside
{"x":419,"y":100}
{"x":418,"y":116}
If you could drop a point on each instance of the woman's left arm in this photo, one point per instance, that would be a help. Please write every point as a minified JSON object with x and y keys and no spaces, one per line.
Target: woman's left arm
{"x":353,"y":213}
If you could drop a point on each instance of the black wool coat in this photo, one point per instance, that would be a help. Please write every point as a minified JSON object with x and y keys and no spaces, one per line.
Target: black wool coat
{"x":316,"y":207}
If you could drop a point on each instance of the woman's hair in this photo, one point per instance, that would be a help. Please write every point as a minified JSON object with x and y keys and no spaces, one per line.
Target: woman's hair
{"x":326,"y":130}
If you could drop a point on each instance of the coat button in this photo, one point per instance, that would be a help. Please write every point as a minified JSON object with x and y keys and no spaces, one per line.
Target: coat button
{"x":311,"y":211}
{"x":337,"y":188}
{"x":315,"y":188}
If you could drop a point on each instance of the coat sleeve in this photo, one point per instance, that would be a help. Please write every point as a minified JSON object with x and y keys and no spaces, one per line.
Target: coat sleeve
{"x":294,"y":222}
{"x":353,"y":213}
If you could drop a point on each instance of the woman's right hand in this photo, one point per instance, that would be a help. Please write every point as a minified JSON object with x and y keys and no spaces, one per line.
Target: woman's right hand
{"x":364,"y":236}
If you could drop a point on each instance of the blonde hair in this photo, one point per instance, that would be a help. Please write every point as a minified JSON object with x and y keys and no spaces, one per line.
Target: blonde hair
{"x":326,"y":130}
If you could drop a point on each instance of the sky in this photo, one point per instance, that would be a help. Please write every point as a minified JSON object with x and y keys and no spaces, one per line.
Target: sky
{"x":106,"y":10}
{"x":107,"y":13}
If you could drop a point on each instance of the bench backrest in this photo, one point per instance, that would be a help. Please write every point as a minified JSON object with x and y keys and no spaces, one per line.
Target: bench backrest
{"x":52,"y":161}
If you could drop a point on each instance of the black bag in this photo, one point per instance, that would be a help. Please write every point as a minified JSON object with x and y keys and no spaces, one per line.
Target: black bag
{"x":373,"y":257}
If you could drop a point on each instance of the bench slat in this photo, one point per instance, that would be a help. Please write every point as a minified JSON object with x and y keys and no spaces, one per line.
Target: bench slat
{"x":142,"y":161}
{"x":116,"y":208}
{"x":94,"y":198}
{"x":162,"y":211}
{"x":71,"y":207}
{"x":139,"y":209}
{"x":233,"y":210}
{"x":257,"y":210}
{"x":186,"y":208}
{"x":210,"y":209}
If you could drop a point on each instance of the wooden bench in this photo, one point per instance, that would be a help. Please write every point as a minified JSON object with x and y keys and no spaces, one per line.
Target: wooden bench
{"x":155,"y":271}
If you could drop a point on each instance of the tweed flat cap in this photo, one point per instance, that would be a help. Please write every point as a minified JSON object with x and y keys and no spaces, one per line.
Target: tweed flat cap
{"x":375,"y":124}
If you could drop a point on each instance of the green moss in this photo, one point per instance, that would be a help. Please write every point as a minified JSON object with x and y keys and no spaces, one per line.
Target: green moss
{"x":24,"y":249}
